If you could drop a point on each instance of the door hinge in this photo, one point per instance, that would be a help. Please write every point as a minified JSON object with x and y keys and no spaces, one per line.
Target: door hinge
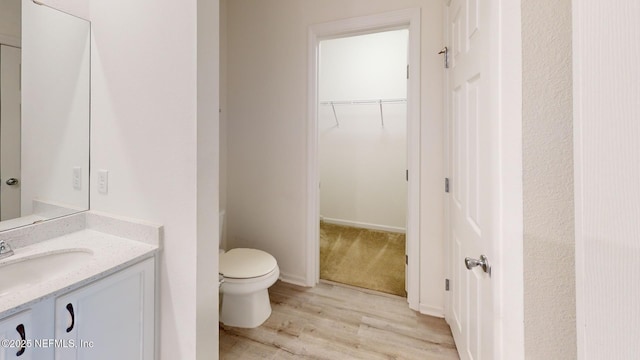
{"x":446,"y":284}
{"x":407,"y":71}
{"x":407,"y":174}
{"x":446,"y":185}
{"x":406,"y":259}
{"x":445,"y":51}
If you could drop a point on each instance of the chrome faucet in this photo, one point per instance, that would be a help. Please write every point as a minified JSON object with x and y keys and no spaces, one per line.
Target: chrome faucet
{"x":5,"y":250}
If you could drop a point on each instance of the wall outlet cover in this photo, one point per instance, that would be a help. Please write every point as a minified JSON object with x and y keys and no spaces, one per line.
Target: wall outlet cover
{"x":77,"y":178}
{"x":103,"y":181}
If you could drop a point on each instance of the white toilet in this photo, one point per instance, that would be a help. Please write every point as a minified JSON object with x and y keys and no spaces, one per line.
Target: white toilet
{"x":248,"y":273}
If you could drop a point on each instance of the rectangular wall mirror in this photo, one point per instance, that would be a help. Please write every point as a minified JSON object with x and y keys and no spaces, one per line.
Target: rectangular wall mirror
{"x":44,"y":113}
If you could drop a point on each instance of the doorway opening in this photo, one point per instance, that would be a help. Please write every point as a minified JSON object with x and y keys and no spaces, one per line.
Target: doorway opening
{"x":362,"y":149}
{"x":408,"y":20}
{"x":10,"y":128}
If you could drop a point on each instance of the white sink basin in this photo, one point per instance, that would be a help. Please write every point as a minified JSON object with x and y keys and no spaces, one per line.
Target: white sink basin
{"x":35,"y":269}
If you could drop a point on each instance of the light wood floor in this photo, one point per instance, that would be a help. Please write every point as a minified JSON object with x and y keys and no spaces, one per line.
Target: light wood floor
{"x":337,"y":322}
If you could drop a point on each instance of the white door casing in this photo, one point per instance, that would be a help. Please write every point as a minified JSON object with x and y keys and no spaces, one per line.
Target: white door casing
{"x":9,"y":131}
{"x":606,"y":95}
{"x":409,"y":18}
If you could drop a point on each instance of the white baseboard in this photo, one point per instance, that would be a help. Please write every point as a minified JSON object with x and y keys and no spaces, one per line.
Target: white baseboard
{"x":431,"y":310}
{"x":293,"y":279}
{"x":363,"y":225}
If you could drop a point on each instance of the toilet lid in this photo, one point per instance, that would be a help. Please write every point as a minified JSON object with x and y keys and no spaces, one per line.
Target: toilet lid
{"x":246,"y":263}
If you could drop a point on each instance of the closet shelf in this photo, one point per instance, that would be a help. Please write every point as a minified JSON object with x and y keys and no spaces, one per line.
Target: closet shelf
{"x":364,"y":102}
{"x":379,"y":102}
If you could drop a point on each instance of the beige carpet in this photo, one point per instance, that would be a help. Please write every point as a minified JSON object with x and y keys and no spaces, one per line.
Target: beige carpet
{"x":364,"y":258}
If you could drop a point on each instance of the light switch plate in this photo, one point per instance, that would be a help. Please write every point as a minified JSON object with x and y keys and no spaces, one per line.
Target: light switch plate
{"x":77,"y":178}
{"x":103,"y":181}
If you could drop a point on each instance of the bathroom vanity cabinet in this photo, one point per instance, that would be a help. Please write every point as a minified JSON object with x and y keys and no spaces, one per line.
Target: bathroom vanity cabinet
{"x":110,"y":318}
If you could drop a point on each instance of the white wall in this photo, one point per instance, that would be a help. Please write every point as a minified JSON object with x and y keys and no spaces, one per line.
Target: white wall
{"x":607,"y":173}
{"x":154,"y":126}
{"x":362,"y":163}
{"x":223,"y":115}
{"x":371,"y":66}
{"x":55,"y":107}
{"x":208,"y":178}
{"x":549,"y":271}
{"x":267,"y":129}
{"x":158,"y":142}
{"x":10,"y":22}
{"x":78,"y":8}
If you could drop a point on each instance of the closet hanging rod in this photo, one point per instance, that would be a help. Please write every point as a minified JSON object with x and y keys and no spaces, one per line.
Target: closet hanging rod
{"x":364,"y":102}
{"x":378,"y":102}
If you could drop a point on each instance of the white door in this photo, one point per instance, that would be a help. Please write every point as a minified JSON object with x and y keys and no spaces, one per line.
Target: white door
{"x":471,"y":216}
{"x":9,"y":132}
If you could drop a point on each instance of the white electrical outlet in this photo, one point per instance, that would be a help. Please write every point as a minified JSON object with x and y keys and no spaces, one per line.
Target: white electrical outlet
{"x":103,"y":181}
{"x":77,"y":178}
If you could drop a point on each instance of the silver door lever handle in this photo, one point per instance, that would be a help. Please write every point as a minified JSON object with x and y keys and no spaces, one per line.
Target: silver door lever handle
{"x":470,"y":263}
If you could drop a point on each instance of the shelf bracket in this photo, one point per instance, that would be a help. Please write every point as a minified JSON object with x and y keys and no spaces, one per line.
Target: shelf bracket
{"x":334,"y":114}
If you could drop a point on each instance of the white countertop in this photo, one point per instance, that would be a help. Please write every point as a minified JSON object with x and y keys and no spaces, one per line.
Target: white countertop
{"x":21,"y":221}
{"x":110,"y":254}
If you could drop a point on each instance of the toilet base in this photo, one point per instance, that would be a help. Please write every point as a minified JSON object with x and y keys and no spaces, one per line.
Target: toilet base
{"x":246,"y":310}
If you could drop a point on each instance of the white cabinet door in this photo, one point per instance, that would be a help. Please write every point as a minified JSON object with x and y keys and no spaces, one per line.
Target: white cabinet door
{"x":15,"y":330}
{"x":28,"y":334}
{"x":112,"y":318}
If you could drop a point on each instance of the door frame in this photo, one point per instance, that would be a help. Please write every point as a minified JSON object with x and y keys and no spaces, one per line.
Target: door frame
{"x":400,"y":19}
{"x":507,"y":262}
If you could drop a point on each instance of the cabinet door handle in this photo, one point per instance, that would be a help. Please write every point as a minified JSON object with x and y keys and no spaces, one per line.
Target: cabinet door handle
{"x":20,"y":330}
{"x":73,"y":317}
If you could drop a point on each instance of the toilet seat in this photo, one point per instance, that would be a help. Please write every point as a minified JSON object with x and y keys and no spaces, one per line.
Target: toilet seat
{"x":242,"y":263}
